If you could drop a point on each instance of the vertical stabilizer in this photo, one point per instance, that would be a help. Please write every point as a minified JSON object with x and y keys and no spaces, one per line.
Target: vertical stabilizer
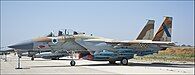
{"x":165,"y":30}
{"x":147,"y":32}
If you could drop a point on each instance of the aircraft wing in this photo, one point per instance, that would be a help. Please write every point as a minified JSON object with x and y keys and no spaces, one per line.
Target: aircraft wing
{"x":6,"y":50}
{"x":71,"y":44}
{"x":94,"y":45}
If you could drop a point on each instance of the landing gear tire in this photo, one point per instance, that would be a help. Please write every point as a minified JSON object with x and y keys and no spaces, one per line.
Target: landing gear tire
{"x":124,"y":61}
{"x":112,"y":62}
{"x":72,"y":63}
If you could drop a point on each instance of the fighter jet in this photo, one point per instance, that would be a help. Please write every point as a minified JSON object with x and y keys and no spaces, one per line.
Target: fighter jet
{"x":104,"y":49}
{"x":146,"y":34}
{"x":5,"y":51}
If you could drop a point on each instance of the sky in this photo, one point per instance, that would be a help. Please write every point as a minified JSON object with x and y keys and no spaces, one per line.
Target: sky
{"x":122,"y":20}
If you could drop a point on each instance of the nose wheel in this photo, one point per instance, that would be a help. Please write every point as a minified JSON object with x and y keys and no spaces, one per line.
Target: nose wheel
{"x":72,"y":63}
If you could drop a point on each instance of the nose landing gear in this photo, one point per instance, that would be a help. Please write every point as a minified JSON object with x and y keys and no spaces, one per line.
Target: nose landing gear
{"x":72,"y":62}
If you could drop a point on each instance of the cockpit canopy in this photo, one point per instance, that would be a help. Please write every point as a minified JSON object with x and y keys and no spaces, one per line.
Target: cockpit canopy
{"x":64,"y":32}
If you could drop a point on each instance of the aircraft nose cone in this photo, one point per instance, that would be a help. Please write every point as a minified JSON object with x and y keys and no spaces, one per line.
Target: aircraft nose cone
{"x":23,"y":45}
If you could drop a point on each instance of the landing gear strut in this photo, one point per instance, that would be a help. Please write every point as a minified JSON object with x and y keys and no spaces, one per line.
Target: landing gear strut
{"x":111,"y":61}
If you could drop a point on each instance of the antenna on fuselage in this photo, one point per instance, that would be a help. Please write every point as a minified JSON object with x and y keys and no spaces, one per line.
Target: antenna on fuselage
{"x":65,"y":32}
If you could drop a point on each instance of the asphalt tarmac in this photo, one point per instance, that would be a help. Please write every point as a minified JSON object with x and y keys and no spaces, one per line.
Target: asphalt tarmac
{"x":62,"y":66}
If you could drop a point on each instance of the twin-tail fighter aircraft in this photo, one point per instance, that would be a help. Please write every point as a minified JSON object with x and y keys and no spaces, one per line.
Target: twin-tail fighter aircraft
{"x":103,"y":49}
{"x":146,"y":34}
